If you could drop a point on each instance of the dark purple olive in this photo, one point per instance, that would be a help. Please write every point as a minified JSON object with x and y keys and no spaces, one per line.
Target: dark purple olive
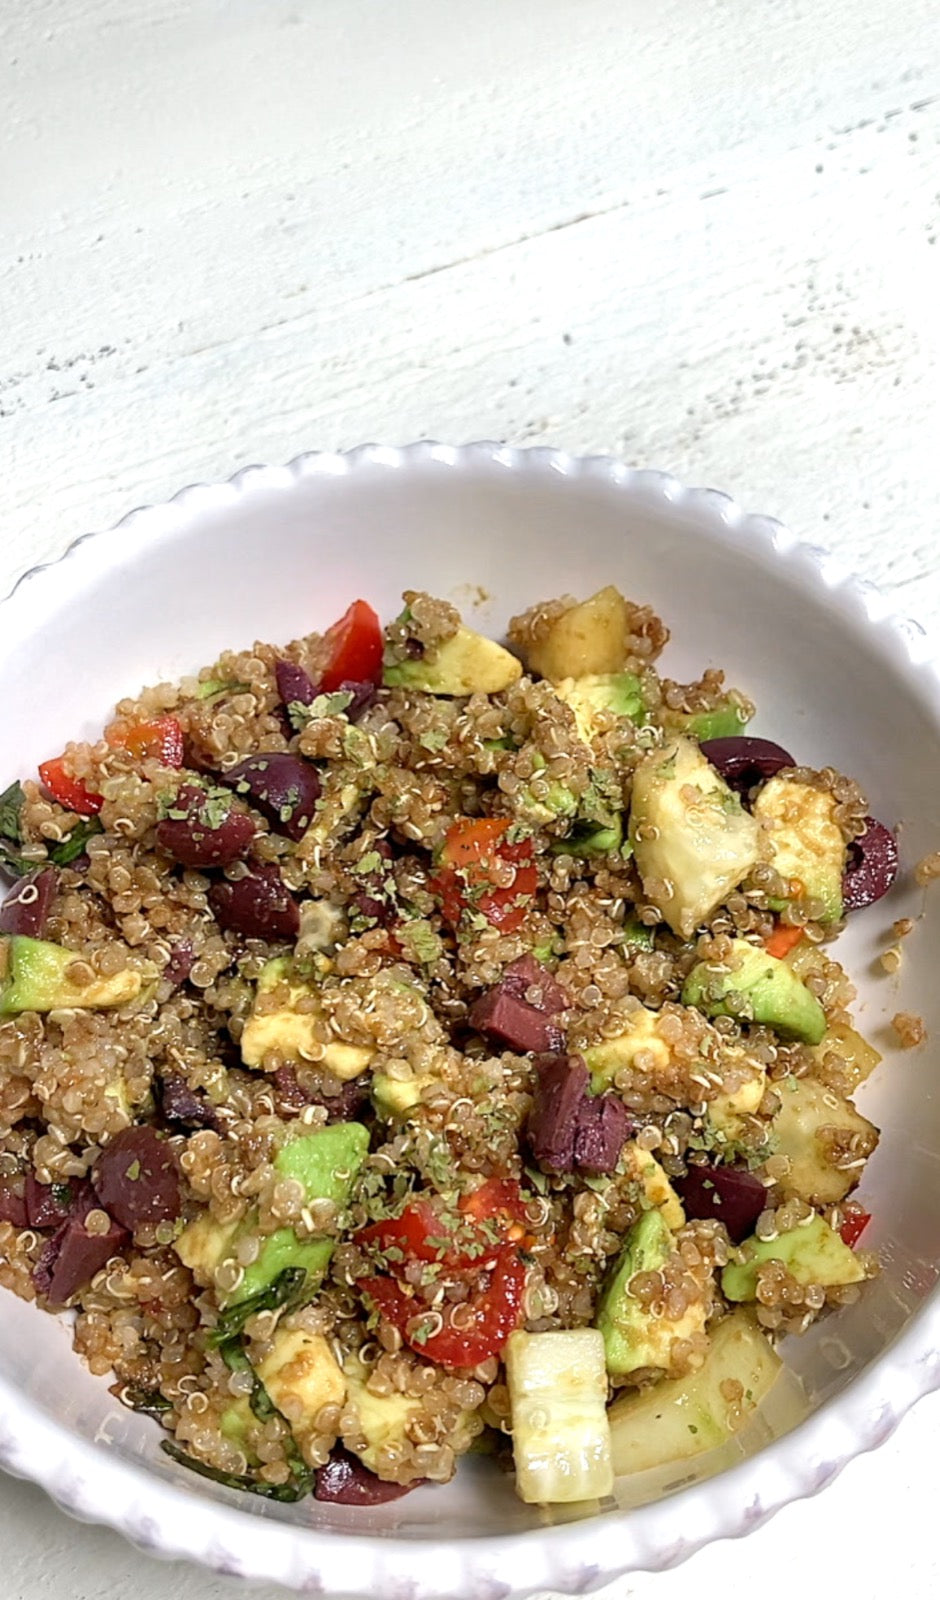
{"x":13,"y":1202}
{"x":181,"y":961}
{"x":743,"y":762}
{"x":731,"y":1195}
{"x":260,"y":905}
{"x":48,"y":1205}
{"x":340,"y":1107}
{"x":604,"y":1126}
{"x":363,"y":695}
{"x":344,"y":1481}
{"x":136,"y":1178}
{"x":72,"y":1256}
{"x":284,"y":787}
{"x":872,"y":866}
{"x":179,"y":1103}
{"x":204,"y":829}
{"x":294,"y":685}
{"x":26,"y":908}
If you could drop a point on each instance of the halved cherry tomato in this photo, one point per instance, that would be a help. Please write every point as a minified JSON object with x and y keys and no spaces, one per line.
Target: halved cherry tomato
{"x":464,"y":878}
{"x":355,"y":645}
{"x":487,"y":1318}
{"x":853,"y":1227}
{"x":68,"y":791}
{"x":411,"y":1233}
{"x":161,"y":738}
{"x":782,"y":940}
{"x":498,"y":1200}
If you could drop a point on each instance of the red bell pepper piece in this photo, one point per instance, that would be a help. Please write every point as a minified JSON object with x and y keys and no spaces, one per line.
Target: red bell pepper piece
{"x":68,"y":791}
{"x":464,"y":878}
{"x":782,"y":940}
{"x":355,"y":649}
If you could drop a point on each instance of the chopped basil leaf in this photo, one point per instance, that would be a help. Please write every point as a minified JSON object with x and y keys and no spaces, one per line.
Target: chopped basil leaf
{"x":148,"y":1401}
{"x":13,"y":864}
{"x":286,"y":1287}
{"x":11,"y":807}
{"x":294,"y":1489}
{"x":214,"y":686}
{"x":73,"y":845}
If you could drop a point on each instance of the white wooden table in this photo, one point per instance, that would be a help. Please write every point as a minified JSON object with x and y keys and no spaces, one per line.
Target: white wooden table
{"x":702,"y":234}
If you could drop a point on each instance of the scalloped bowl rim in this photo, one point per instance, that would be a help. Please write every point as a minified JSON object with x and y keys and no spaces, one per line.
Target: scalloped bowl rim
{"x":576,"y":1557}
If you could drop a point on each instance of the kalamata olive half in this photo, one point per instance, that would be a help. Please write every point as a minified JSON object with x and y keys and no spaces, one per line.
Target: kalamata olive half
{"x":363,"y":695}
{"x":731,"y":1195}
{"x":136,"y":1178}
{"x":743,"y":761}
{"x":260,"y":906}
{"x":26,"y":907}
{"x":872,"y":866}
{"x":284,"y":787}
{"x":344,"y":1481}
{"x":204,"y":829}
{"x":294,"y":685}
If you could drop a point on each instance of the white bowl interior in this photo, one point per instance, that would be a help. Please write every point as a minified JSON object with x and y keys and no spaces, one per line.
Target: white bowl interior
{"x":282,"y":552}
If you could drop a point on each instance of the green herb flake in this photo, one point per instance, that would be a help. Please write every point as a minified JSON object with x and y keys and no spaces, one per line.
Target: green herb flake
{"x":133,"y":1171}
{"x":433,"y":738}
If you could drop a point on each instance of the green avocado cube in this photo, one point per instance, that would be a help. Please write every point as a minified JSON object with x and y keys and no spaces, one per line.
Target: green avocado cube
{"x":466,"y":663}
{"x":770,"y":991}
{"x":37,"y":979}
{"x":811,"y":1253}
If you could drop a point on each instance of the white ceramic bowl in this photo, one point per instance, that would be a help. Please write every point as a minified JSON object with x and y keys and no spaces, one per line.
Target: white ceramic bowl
{"x":279,"y":551}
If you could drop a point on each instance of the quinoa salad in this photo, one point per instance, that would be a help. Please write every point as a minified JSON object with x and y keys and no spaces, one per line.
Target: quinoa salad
{"x":411,"y":1044}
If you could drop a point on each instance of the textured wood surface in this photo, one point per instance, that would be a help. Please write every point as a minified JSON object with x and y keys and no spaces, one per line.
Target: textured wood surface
{"x":701,"y":234}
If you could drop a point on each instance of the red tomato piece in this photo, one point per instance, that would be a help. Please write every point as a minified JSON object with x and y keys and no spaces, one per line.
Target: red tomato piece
{"x":68,"y":791}
{"x":161,"y":738}
{"x":465,"y":878}
{"x":498,"y":1200}
{"x":410,"y":1232}
{"x":356,"y":648}
{"x":853,"y":1227}
{"x":488,"y":1317}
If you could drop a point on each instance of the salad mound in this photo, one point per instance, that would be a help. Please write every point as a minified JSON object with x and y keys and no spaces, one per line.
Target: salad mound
{"x":411,"y":1044}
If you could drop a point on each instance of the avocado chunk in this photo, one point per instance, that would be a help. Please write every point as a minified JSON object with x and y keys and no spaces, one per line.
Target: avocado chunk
{"x":301,"y":1373}
{"x":589,"y":639}
{"x":657,"y":1190}
{"x":633,"y":1336}
{"x":681,"y":1417}
{"x":590,"y":839}
{"x":466,"y":663}
{"x":804,"y":844}
{"x":384,"y":1420}
{"x":605,"y":1060}
{"x":291,"y":1031}
{"x":37,"y":979}
{"x":760,"y":988}
{"x":812,"y":1253}
{"x":325,"y":1162}
{"x":546,"y":801}
{"x":619,"y":693}
{"x":394,"y":1098}
{"x":692,"y":839}
{"x":724,"y":721}
{"x":813,"y":1126}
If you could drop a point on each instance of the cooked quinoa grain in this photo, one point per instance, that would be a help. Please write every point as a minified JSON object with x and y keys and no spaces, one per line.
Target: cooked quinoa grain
{"x":365,"y":1011}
